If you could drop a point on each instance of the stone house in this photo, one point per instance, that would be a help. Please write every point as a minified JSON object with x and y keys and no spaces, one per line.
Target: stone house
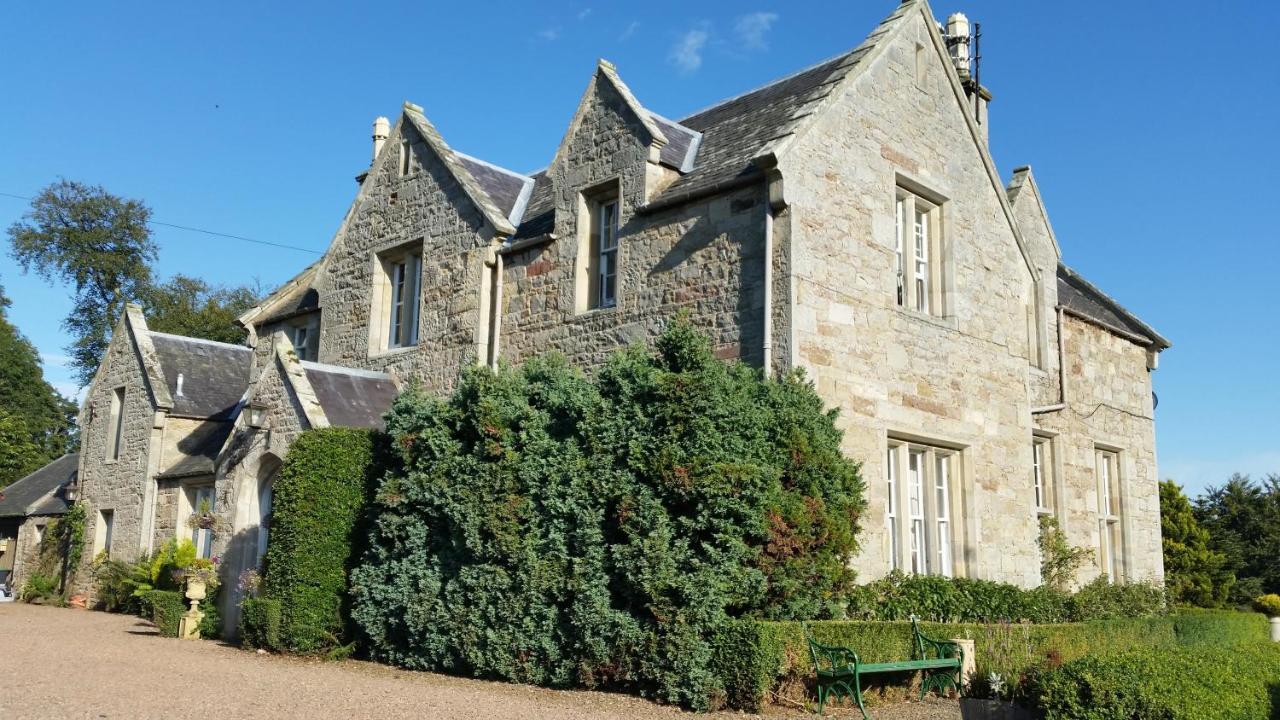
{"x":847,"y":220}
{"x":27,"y":506}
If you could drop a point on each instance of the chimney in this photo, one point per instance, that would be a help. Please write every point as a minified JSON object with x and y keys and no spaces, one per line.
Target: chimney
{"x":381,"y":131}
{"x":963,"y":41}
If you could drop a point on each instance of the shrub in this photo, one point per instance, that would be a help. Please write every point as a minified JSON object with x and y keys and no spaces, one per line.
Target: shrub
{"x":1059,"y":561}
{"x":40,"y":589}
{"x":940,"y":599}
{"x":120,"y":585}
{"x":545,"y":528}
{"x":167,"y":607}
{"x":1100,"y":600}
{"x":260,"y":623}
{"x":1228,"y":682}
{"x":1218,"y":627}
{"x":317,"y":500}
{"x":1268,"y":605}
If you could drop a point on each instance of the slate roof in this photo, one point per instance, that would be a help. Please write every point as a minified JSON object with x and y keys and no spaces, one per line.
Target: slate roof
{"x":682,"y":144}
{"x":214,"y":375}
{"x":38,"y":493}
{"x":298,"y":301}
{"x":1083,"y":299}
{"x":199,"y":450}
{"x":508,"y":190}
{"x":350,"y":397}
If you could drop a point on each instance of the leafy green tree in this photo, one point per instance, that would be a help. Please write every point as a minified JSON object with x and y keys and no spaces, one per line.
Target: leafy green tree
{"x":190,"y":306}
{"x":1243,"y":520}
{"x":97,"y":243}
{"x":38,"y":423}
{"x":18,"y":454}
{"x":1194,"y":573}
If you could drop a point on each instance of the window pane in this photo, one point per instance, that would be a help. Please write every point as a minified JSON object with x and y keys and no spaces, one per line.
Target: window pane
{"x":915,"y":506}
{"x":899,"y":269}
{"x":891,"y":463}
{"x":942,"y":511}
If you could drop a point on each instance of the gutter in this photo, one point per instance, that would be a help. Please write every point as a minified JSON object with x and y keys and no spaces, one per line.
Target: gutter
{"x":750,"y":178}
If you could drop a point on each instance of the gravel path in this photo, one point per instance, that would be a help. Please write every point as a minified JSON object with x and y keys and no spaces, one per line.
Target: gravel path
{"x":60,"y":663}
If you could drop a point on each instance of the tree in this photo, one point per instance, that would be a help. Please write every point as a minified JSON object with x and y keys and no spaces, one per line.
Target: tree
{"x":97,"y":243}
{"x":1243,"y":520}
{"x":190,"y":306}
{"x":1194,"y":573}
{"x":18,"y":454}
{"x":38,"y":423}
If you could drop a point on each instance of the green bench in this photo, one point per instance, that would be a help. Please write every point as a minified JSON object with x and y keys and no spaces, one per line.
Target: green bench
{"x":843,"y":671}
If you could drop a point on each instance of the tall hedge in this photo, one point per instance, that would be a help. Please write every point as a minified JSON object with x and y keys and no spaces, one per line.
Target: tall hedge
{"x":317,"y":502}
{"x":548,"y":528}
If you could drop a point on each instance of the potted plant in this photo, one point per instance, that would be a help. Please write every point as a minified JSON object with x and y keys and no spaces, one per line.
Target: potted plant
{"x":200,"y":576}
{"x":203,"y":518}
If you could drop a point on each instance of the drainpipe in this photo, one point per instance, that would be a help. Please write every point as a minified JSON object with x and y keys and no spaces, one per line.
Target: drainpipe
{"x":768,"y":290}
{"x":496,"y":328}
{"x":1062,"y":374}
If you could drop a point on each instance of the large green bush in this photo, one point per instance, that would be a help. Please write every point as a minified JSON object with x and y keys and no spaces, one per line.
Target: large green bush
{"x":317,"y":501}
{"x":547,"y":528}
{"x":1220,"y":682}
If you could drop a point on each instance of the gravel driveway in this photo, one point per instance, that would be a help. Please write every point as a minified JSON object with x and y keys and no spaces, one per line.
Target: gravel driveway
{"x":61,"y":663}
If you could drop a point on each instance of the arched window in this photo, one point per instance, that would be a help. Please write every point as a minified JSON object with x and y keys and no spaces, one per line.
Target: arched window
{"x":267,"y":471}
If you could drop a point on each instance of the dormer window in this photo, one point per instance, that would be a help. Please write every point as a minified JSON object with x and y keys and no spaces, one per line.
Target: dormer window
{"x":599,"y":222}
{"x":396,"y":297}
{"x":305,"y":335}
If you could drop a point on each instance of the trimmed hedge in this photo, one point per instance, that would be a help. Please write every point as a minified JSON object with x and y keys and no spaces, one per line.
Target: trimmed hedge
{"x":167,"y":607}
{"x":260,"y":623}
{"x":317,"y":501}
{"x":1226,"y":682}
{"x":773,"y":657}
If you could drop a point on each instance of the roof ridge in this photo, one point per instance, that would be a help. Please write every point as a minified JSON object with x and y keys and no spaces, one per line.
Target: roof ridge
{"x":1115,"y":305}
{"x":203,"y":341}
{"x":766,"y":86}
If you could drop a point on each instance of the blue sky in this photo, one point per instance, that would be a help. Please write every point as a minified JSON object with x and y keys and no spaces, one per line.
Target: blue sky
{"x":1152,"y":130}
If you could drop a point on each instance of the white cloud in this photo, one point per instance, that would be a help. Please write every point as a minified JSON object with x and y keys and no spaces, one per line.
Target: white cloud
{"x":631,"y":30}
{"x":751,"y":29}
{"x":71,"y":391}
{"x":687,"y":52}
{"x":584,"y":13}
{"x":549,"y":34}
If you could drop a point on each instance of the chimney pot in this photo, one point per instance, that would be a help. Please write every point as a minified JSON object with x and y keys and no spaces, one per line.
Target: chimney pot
{"x":381,"y":131}
{"x":958,"y":42}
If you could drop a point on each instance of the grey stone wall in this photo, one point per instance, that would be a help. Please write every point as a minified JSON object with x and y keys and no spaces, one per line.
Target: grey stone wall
{"x":119,"y":485}
{"x":429,"y":206}
{"x":166,"y":512}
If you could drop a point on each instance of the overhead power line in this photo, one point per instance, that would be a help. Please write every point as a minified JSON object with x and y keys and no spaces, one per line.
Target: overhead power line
{"x":188,"y":228}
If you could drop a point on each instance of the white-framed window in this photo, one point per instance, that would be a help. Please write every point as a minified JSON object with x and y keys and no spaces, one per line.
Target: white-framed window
{"x":918,"y":253}
{"x":1110,"y":532}
{"x":115,"y":428}
{"x":891,"y":514}
{"x":201,"y":500}
{"x":1043,"y":475}
{"x":303,"y":341}
{"x":598,"y":252}
{"x":922,"y":479}
{"x":397,"y":297}
{"x":607,"y":232}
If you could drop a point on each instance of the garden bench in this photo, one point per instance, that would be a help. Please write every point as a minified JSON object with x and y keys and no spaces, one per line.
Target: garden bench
{"x":843,"y":671}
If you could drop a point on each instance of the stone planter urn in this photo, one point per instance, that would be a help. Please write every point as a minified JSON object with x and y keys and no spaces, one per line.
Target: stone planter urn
{"x":189,"y":625}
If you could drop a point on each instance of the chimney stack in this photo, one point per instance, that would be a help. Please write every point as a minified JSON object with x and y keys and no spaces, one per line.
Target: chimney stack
{"x":963,"y":41}
{"x":381,"y":131}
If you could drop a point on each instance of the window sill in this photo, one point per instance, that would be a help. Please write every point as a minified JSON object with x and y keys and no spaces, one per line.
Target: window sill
{"x":1044,"y":512}
{"x":393,"y":352}
{"x":943,"y":321}
{"x":603,"y":310}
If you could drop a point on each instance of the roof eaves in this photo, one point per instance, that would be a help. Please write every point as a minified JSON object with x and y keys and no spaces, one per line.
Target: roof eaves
{"x":280,"y":293}
{"x":1152,"y":336}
